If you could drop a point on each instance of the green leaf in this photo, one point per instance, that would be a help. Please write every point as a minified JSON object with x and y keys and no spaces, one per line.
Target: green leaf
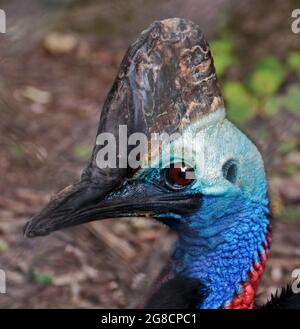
{"x":290,"y":214}
{"x":3,"y":245}
{"x":42,"y":278}
{"x":267,"y":76}
{"x":293,"y":61}
{"x":222,"y":51}
{"x":240,"y":104}
{"x":287,"y":147}
{"x":291,"y":169}
{"x":272,"y":105}
{"x":82,"y":152}
{"x":291,"y":100}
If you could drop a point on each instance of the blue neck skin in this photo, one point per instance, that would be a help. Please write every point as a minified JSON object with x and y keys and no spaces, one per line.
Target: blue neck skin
{"x":220,"y":251}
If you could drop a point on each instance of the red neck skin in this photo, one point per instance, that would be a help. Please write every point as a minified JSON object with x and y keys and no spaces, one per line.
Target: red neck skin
{"x":245,"y":300}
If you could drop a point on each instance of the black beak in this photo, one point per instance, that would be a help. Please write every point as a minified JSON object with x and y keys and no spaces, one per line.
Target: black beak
{"x":63,"y":210}
{"x":82,"y":203}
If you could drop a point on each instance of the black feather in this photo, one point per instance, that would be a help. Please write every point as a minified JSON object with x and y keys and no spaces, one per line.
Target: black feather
{"x":178,"y":293}
{"x":286,"y":299}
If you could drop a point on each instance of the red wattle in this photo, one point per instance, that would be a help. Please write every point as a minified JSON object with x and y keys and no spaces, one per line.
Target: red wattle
{"x":245,"y":300}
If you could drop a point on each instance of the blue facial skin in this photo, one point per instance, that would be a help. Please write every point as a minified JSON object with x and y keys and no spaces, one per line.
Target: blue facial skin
{"x":219,"y":242}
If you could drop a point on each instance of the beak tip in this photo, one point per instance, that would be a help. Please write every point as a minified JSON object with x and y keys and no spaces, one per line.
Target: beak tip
{"x":27,"y":231}
{"x":30,"y":232}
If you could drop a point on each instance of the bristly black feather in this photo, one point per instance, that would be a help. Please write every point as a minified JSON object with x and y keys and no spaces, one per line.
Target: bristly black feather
{"x":178,"y":293}
{"x":286,"y":299}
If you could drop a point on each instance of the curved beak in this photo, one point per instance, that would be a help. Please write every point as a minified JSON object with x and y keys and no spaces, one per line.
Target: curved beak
{"x":82,"y":203}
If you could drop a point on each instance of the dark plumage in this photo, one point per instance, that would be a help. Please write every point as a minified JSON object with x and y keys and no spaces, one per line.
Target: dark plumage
{"x":178,"y":293}
{"x":284,"y":299}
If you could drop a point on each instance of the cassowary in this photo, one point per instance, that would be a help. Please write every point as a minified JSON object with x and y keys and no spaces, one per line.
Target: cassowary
{"x":215,"y":197}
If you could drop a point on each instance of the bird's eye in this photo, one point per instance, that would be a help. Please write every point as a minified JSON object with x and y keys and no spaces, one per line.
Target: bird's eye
{"x":230,"y":171}
{"x":179,"y":176}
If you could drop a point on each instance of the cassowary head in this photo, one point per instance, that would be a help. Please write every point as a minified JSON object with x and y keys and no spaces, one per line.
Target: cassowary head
{"x":208,"y":183}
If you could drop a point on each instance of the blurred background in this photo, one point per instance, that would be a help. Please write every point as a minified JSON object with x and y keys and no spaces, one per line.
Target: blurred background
{"x":58,"y":60}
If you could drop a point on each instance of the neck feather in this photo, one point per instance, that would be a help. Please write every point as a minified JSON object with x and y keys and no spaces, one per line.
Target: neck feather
{"x":227,"y":254}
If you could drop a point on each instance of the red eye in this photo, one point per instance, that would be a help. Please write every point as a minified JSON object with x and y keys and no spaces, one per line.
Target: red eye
{"x":179,"y":175}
